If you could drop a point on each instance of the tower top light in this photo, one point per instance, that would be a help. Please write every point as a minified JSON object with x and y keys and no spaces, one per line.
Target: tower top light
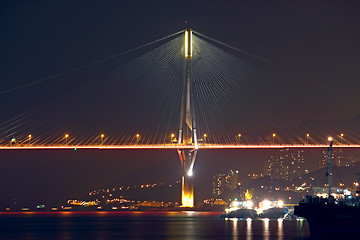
{"x":188,"y":43}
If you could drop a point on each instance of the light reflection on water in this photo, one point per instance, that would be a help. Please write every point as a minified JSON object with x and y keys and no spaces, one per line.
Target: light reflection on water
{"x":235,"y":228}
{"x":280,"y":229}
{"x":248,"y":229}
{"x":144,"y":225}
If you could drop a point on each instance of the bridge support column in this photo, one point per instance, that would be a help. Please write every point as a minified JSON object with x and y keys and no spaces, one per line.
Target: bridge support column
{"x":187,"y":128}
{"x":187,"y":159}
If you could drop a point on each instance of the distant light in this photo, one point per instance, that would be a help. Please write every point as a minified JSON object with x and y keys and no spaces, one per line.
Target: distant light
{"x":205,"y":135}
{"x":274,"y":135}
{"x":330,"y":139}
{"x":137,"y":135}
{"x":307,"y":135}
{"x":280,"y":203}
{"x":30,"y":136}
{"x":172,"y":135}
{"x":102,"y":135}
{"x":249,"y":204}
{"x":266,"y":204}
{"x":190,"y":173}
{"x":342,"y":134}
{"x":75,"y":149}
{"x":13,"y":140}
{"x":66,"y":135}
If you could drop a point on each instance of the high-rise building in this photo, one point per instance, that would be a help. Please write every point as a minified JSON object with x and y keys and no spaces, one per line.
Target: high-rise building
{"x":287,"y":164}
{"x":225,"y":182}
{"x":337,"y":159}
{"x":218,"y":183}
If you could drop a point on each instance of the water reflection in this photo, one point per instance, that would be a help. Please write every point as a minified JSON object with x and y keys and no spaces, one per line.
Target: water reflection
{"x":300,"y":226}
{"x":280,"y":232}
{"x":266,"y":232}
{"x":248,"y":229}
{"x":235,"y":228}
{"x":145,"y":225}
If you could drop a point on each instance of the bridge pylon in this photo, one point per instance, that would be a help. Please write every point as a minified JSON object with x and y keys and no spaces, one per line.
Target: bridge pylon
{"x":187,"y":128}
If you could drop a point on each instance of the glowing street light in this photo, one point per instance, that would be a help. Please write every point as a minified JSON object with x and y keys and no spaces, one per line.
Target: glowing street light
{"x":66,"y":137}
{"x":307,"y":138}
{"x":274,"y":135}
{"x":172,"y":138}
{"x":341,"y":137}
{"x":205,"y":135}
{"x":330,"y":139}
{"x":137,"y":138}
{"x":13,"y":141}
{"x":29,"y":137}
{"x":102,"y":138}
{"x":239,"y":136}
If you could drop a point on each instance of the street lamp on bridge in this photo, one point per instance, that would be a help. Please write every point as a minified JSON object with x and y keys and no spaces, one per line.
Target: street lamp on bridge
{"x":137,"y":138}
{"x":205,"y":135}
{"x":66,"y":137}
{"x":29,"y":137}
{"x":102,"y":138}
{"x":307,"y":138}
{"x":341,"y":137}
{"x":274,"y":135}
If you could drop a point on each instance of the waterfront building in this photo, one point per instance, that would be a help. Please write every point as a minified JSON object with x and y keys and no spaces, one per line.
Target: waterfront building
{"x":286,"y":165}
{"x":225,"y":182}
{"x":338,"y":159}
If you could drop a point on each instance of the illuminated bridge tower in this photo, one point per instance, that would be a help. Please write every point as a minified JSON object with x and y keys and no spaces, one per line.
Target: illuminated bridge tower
{"x":187,"y":129}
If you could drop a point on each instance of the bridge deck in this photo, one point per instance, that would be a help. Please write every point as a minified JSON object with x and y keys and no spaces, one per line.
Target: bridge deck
{"x":173,"y":146}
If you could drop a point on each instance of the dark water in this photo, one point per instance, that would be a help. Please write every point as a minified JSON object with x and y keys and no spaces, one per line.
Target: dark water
{"x":144,"y":225}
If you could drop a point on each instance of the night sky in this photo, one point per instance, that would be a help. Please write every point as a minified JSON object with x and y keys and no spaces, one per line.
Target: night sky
{"x":313,"y":48}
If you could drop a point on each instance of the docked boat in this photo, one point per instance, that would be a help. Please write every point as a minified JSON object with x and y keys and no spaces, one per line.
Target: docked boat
{"x":274,"y":213}
{"x":271,"y":209}
{"x":241,"y":214}
{"x":240,"y":209}
{"x":330,"y":217}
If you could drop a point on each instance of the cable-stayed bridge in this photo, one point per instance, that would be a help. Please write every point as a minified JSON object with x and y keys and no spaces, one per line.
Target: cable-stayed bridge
{"x":135,"y":98}
{"x":185,"y":91}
